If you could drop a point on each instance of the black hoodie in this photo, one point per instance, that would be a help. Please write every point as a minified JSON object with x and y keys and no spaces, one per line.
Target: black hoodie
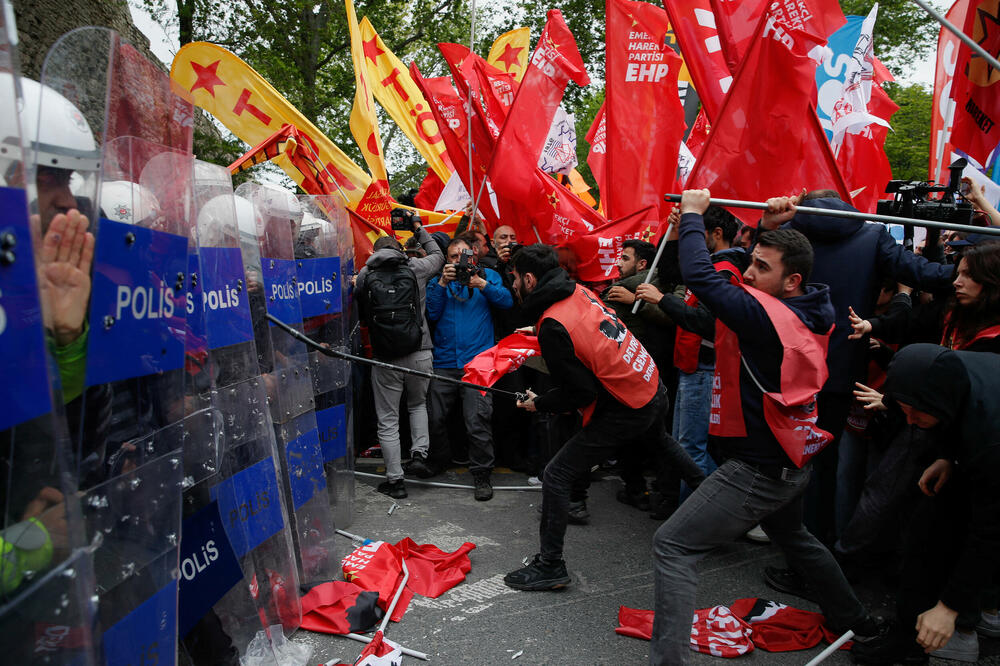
{"x":852,"y":257}
{"x":961,"y":389}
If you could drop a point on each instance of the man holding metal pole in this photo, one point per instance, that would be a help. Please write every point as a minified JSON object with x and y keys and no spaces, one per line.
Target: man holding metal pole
{"x":769,"y":368}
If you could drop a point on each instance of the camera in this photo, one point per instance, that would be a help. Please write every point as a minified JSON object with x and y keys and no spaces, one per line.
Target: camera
{"x":911,"y":199}
{"x":513,"y":248}
{"x":402,"y":219}
{"x":465,"y":269}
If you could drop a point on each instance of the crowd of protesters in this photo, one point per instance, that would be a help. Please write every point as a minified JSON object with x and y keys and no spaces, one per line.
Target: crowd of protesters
{"x":906,"y":399}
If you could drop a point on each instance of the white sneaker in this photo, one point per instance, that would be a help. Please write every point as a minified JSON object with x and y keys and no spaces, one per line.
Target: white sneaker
{"x":757,"y":534}
{"x":989,"y":625}
{"x":534,"y":481}
{"x":960,"y":647}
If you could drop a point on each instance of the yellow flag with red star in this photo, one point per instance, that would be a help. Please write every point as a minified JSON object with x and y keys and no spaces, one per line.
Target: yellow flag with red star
{"x":510,"y":52}
{"x":240,"y":98}
{"x":395,"y":90}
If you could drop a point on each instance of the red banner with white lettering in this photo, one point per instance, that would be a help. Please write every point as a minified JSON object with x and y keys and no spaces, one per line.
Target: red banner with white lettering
{"x":597,"y":252}
{"x":694,"y":24}
{"x":644,"y":116}
{"x":943,"y":106}
{"x":976,"y":86}
{"x":752,"y":155}
{"x":555,"y":63}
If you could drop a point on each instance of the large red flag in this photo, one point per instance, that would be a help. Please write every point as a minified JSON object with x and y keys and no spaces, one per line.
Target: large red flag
{"x":598,"y":252}
{"x":814,"y":20}
{"x":644,"y":116}
{"x":432,"y":570}
{"x":862,"y":157}
{"x":976,"y":86}
{"x":597,"y":157}
{"x":555,"y":63}
{"x":943,"y":106}
{"x":377,"y":566}
{"x":339,"y":607}
{"x":753,"y":155}
{"x":505,"y":356}
{"x":694,"y":24}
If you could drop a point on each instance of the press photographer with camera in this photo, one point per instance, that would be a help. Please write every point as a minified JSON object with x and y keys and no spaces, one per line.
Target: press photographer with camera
{"x":458,"y":303}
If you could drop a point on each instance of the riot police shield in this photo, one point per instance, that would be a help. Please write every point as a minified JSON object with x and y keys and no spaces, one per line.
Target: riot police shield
{"x":45,"y":581}
{"x":276,"y":216}
{"x":130,"y":429}
{"x":238,"y":571}
{"x":320,"y":284}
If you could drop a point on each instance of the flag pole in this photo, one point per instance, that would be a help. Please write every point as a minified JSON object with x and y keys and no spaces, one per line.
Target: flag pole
{"x":968,"y":41}
{"x":651,"y":273}
{"x":854,"y":215}
{"x":833,"y":647}
{"x":472,"y":50}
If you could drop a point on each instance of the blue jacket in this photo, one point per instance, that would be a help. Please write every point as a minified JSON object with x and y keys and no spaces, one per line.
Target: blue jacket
{"x":852,"y":257}
{"x":760,"y":345}
{"x":463,"y":323}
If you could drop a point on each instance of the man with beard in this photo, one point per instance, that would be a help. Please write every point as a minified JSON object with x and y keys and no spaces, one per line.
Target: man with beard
{"x":597,"y":366}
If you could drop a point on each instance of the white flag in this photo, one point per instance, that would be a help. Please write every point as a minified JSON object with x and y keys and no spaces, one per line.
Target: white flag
{"x":850,"y":112}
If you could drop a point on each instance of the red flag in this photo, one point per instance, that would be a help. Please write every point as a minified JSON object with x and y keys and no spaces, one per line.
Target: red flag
{"x":377,"y":566}
{"x":430,"y":190}
{"x":365,"y":234}
{"x":598,"y":251}
{"x":557,"y":213}
{"x":380,"y":652}
{"x":716,"y":631}
{"x":699,"y":134}
{"x":694,"y":24}
{"x":506,"y":356}
{"x":975,"y":87}
{"x":432,"y":570}
{"x":753,"y":155}
{"x":943,"y":106}
{"x":812,"y":20}
{"x":596,"y":158}
{"x":555,"y":62}
{"x":862,"y":157}
{"x":780,"y":628}
{"x":339,"y":607}
{"x":645,"y":119}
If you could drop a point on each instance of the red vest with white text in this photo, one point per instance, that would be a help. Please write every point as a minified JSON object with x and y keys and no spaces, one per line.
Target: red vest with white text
{"x":606,"y":348}
{"x":687,"y":344}
{"x":791,"y":411}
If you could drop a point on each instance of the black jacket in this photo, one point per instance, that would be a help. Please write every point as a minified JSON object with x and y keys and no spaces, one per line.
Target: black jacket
{"x":960,"y":388}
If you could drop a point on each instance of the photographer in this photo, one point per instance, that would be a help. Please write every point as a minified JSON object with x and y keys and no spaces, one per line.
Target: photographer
{"x":458,"y":303}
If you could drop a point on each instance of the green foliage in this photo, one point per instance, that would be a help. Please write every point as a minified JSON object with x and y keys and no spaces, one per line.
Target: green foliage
{"x":908,"y":146}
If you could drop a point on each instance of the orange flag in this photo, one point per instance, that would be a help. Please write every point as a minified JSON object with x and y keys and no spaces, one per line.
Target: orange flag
{"x":397,"y":93}
{"x":240,"y":98}
{"x":510,"y":52}
{"x":376,"y":204}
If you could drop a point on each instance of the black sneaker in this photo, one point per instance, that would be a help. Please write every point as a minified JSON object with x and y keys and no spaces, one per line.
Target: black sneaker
{"x":891,"y":647}
{"x":661,"y":508}
{"x":484,"y":490}
{"x":419,"y":466}
{"x":578,"y":514}
{"x":539,"y":575}
{"x":394,"y":489}
{"x":788,"y":581}
{"x":638,"y":500}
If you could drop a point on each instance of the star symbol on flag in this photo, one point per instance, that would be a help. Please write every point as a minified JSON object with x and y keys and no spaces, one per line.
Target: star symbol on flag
{"x":553,"y":199}
{"x":991,"y":37}
{"x":372,"y":51}
{"x":207,"y":77}
{"x":509,"y":57}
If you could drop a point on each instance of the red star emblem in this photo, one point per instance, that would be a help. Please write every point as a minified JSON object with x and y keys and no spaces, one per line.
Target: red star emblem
{"x":372,"y":51}
{"x":207,"y":78}
{"x":553,"y":199}
{"x":990,"y":36}
{"x":509,"y":57}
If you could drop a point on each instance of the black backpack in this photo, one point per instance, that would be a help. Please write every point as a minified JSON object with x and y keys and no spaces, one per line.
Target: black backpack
{"x":392,"y":310}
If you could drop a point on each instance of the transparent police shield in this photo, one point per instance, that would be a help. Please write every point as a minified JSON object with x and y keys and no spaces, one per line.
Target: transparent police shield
{"x":321,"y":292}
{"x":284,"y":362}
{"x":130,"y":431}
{"x":46,"y":613}
{"x":238,"y":572}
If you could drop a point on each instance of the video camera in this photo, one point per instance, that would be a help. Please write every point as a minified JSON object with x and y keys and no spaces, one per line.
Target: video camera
{"x":911,"y":200}
{"x":402,"y":219}
{"x":465,"y":269}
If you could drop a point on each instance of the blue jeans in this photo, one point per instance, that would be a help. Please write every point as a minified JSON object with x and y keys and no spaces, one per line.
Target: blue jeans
{"x":730,"y":502}
{"x":694,"y":398}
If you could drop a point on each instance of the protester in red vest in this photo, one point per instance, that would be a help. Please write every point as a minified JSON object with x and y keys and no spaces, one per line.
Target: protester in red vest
{"x":597,"y":366}
{"x":776,"y":365}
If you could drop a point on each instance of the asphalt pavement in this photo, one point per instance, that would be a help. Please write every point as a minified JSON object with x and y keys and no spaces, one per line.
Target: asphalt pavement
{"x":481,"y":621}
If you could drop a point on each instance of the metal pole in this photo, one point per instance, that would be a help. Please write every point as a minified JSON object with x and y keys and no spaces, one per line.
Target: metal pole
{"x":395,"y":598}
{"x":854,"y":215}
{"x":968,"y":41}
{"x":439,"y":484}
{"x":472,"y":49}
{"x":368,"y":639}
{"x":651,"y":273}
{"x":833,"y":647}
